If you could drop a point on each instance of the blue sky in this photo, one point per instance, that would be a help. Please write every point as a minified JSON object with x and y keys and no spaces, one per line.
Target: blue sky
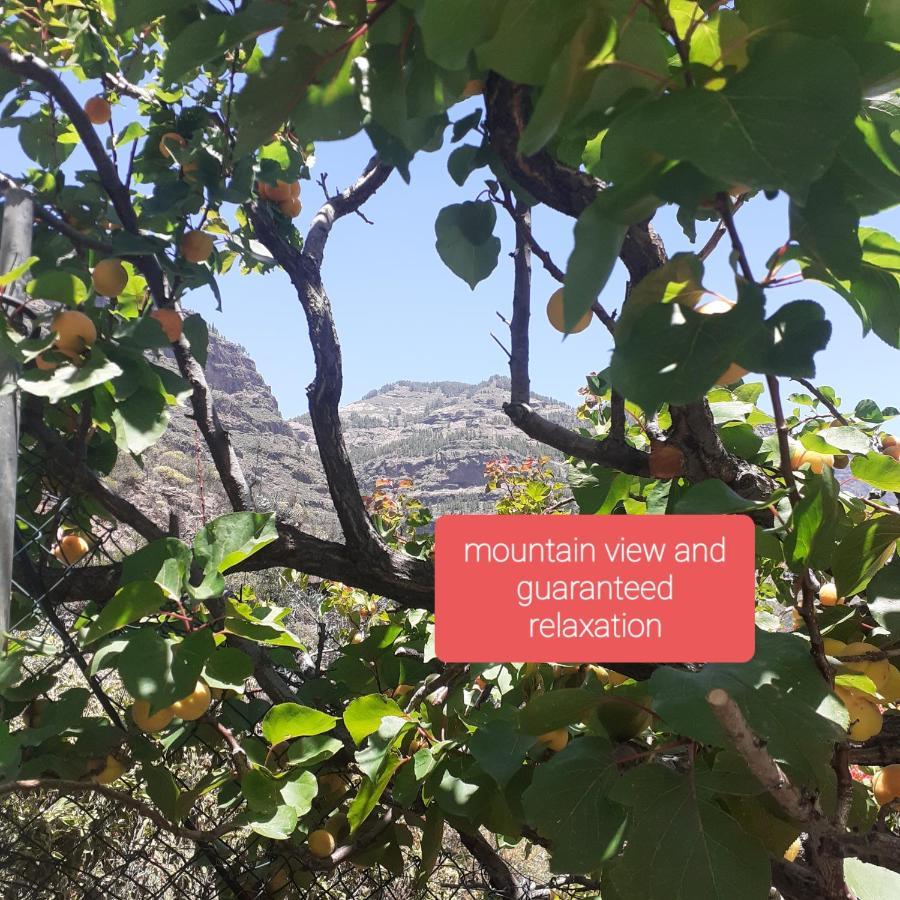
{"x":401,"y":314}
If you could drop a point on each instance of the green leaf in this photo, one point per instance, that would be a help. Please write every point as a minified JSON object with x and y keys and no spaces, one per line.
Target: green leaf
{"x":364,"y":714}
{"x":457,"y":796}
{"x":598,"y":241}
{"x":232,"y":538}
{"x":870,"y":882}
{"x":465,"y":240}
{"x":541,"y":26}
{"x":162,"y":790}
{"x":862,"y":552}
{"x":556,"y":709}
{"x":17,"y":272}
{"x":228,"y":668}
{"x":714,"y":857}
{"x":878,"y":469}
{"x":431,"y":844}
{"x":132,"y":13}
{"x":260,"y":791}
{"x":130,"y":603}
{"x":369,"y":793}
{"x":62,"y":287}
{"x":278,"y":826}
{"x":452,"y":31}
{"x":208,"y":38}
{"x":500,"y":749}
{"x":312,"y":750}
{"x":289,"y":720}
{"x":597,"y":489}
{"x":145,"y":667}
{"x":298,"y":790}
{"x":140,"y":420}
{"x":781,"y":694}
{"x":883,"y":597}
{"x":166,"y":561}
{"x":568,"y":803}
{"x":793,"y":85}
{"x":814,"y":522}
{"x":846,"y":438}
{"x":714,"y":496}
{"x":195,"y":330}
{"x":68,"y":379}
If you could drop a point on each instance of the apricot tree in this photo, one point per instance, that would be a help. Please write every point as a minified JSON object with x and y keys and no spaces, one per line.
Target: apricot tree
{"x":686,"y":781}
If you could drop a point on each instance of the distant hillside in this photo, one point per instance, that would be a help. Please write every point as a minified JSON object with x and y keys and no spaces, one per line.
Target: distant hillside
{"x":439,"y":434}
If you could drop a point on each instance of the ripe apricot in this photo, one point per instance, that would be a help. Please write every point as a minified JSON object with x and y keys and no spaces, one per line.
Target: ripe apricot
{"x":891,"y":688}
{"x":331,"y":785}
{"x":169,"y":140}
{"x":109,"y":277}
{"x":169,"y":321}
{"x":290,"y":207}
{"x":878,"y":670}
{"x":886,"y":784}
{"x":320,"y":843}
{"x":75,"y":332}
{"x":196,"y":246}
{"x":893,"y":451}
{"x":889,"y":440}
{"x":70,"y":549}
{"x":195,"y":704}
{"x":833,"y":647}
{"x":817,"y":462}
{"x":402,"y":690}
{"x":666,"y":461}
{"x":828,"y":595}
{"x":554,"y":740}
{"x":140,"y":714}
{"x":279,"y":192}
{"x":98,"y":110}
{"x":112,"y":769}
{"x":865,"y":717}
{"x":295,"y":189}
{"x":556,"y":316}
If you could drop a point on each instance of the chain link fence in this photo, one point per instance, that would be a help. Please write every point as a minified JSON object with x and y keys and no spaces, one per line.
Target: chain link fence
{"x":71,"y":843}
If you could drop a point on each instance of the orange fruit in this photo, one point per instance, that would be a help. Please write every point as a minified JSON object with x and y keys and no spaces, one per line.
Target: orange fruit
{"x":321,"y":843}
{"x":290,"y":208}
{"x":71,"y":548}
{"x":195,"y":704}
{"x":98,"y":110}
{"x":140,"y":713}
{"x":109,"y":277}
{"x":828,"y":595}
{"x":666,"y":461}
{"x":170,"y":322}
{"x":556,"y":317}
{"x":196,"y":246}
{"x":886,"y":784}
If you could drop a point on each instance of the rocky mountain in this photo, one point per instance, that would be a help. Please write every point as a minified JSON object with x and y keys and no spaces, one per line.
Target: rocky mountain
{"x":439,"y":434}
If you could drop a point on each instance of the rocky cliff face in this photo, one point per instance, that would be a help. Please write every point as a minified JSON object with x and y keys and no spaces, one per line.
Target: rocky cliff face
{"x":439,"y":434}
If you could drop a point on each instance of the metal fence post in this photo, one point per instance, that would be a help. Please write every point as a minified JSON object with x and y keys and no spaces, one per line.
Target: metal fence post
{"x":15,"y":248}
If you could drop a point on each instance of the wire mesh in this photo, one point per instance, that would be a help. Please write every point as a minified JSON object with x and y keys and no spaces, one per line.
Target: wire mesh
{"x":56,"y":844}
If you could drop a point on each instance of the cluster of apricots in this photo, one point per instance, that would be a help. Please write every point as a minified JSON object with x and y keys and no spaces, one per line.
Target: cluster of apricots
{"x":188,"y":709}
{"x":284,"y":194}
{"x":865,"y":713}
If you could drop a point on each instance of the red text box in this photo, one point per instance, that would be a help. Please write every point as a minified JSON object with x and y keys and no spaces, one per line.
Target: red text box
{"x":594,"y":588}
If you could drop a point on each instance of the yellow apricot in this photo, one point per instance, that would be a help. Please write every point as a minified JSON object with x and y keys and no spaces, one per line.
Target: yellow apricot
{"x":196,"y":246}
{"x":112,"y":769}
{"x":140,"y":714}
{"x":75,"y":332}
{"x":556,"y":316}
{"x":833,"y":647}
{"x":169,"y":321}
{"x":865,"y":717}
{"x":320,"y":843}
{"x":886,"y":784}
{"x":817,"y":462}
{"x":195,"y":704}
{"x":828,"y":595}
{"x":70,"y":548}
{"x":891,"y":688}
{"x":109,"y":277}
{"x":878,"y":670}
{"x":98,"y":110}
{"x":554,"y":740}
